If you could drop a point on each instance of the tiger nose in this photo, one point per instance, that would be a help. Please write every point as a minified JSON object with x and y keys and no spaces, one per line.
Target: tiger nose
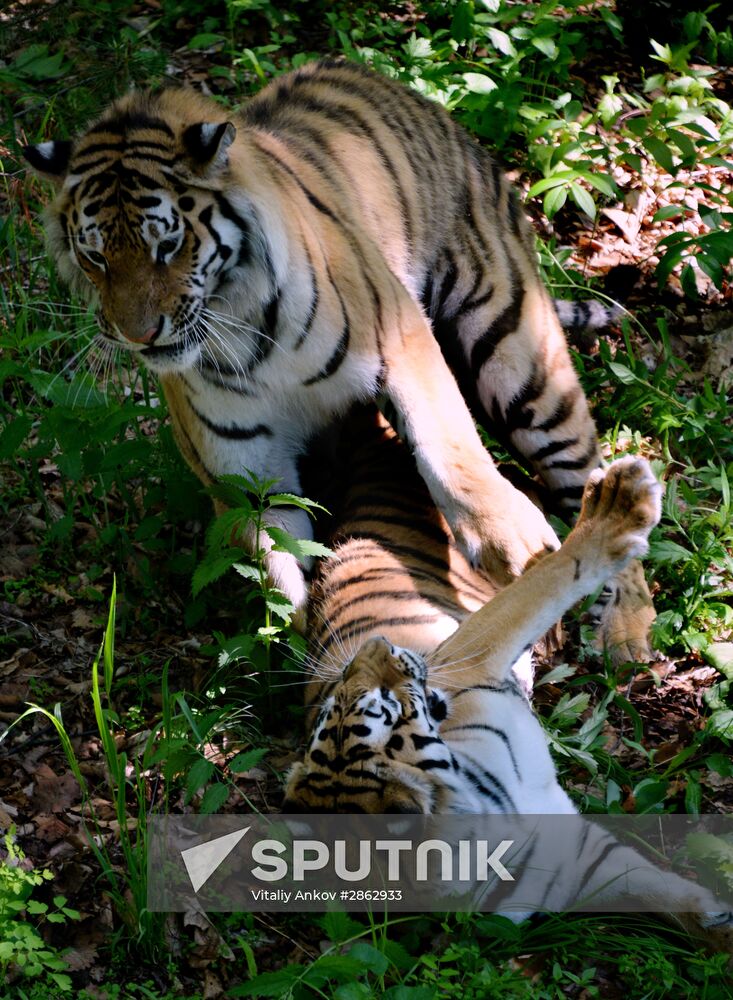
{"x":144,"y":338}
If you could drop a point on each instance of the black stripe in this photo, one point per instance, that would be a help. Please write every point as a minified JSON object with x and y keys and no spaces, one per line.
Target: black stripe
{"x":363,"y":624}
{"x":227,"y":211}
{"x":578,"y":463}
{"x":336,"y":359}
{"x":504,"y":325}
{"x":447,"y":283}
{"x":573,"y":493}
{"x":610,"y":847}
{"x":561,"y":412}
{"x":194,"y":451}
{"x":129,"y":120}
{"x":313,"y":306}
{"x":377,"y":574}
{"x":503,"y":687}
{"x":518,"y":415}
{"x":483,"y":775}
{"x":485,"y":727}
{"x":552,"y":449}
{"x":266,"y":342}
{"x":232,"y":433}
{"x":348,"y":118}
{"x":316,"y":202}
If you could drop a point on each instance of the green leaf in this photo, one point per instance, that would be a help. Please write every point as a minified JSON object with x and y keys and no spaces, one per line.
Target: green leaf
{"x":339,"y":926}
{"x":410,"y":993}
{"x":301,"y":548}
{"x":559,"y":673}
{"x":622,"y":373}
{"x":339,"y":967}
{"x":214,"y":798}
{"x":688,"y":282}
{"x":353,"y":991}
{"x":720,"y":656}
{"x":269,"y":984}
{"x":35,"y":907}
{"x":212,"y":567}
{"x":720,"y":724}
{"x":292,"y":500}
{"x":693,"y":795}
{"x":279,"y":604}
{"x":205,"y":41}
{"x":248,"y":572}
{"x":664,"y":550}
{"x":554,"y":180}
{"x":546,"y":46}
{"x":63,"y":982}
{"x":198,"y":776}
{"x":501,"y":42}
{"x":668,"y":212}
{"x":721,"y":764}
{"x":247,"y":760}
{"x":228,"y":528}
{"x":554,"y":201}
{"x":479,"y":83}
{"x":461,"y":28}
{"x":13,"y":435}
{"x":661,"y":153}
{"x":370,"y":957}
{"x":601,"y":182}
{"x":584,"y":200}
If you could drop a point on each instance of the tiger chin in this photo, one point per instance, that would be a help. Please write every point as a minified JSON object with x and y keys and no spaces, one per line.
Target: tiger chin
{"x":337,"y":239}
{"x":454,"y":731}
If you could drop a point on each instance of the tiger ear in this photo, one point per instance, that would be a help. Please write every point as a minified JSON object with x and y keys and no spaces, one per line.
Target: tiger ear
{"x":206,"y":144}
{"x":49,"y":159}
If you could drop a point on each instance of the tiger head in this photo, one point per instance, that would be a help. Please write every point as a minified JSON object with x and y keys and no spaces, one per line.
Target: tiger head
{"x":375,"y":746}
{"x":147,"y":224}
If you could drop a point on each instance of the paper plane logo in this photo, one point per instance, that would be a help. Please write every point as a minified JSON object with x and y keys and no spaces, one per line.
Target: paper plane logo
{"x":202,"y":861}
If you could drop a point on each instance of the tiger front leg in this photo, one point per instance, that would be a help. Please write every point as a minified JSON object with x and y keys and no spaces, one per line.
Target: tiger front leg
{"x":495,"y":525}
{"x":527,"y":383}
{"x":213,"y":451}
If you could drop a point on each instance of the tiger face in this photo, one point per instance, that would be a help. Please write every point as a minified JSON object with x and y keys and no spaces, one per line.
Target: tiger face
{"x":143,"y":227}
{"x":367,"y":753}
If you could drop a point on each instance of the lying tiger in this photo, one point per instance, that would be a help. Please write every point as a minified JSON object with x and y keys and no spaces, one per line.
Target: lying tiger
{"x":338,"y":239}
{"x":419,"y":701}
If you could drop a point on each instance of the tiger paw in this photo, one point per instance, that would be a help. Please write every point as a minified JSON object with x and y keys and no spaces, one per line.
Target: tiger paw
{"x":507,"y":540}
{"x":714,"y":930}
{"x":621,"y":505}
{"x":627,"y":618}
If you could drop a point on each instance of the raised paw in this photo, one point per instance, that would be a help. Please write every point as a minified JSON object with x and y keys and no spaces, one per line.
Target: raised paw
{"x":621,"y":505}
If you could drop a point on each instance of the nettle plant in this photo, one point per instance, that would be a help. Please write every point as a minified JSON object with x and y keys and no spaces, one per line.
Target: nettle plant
{"x":248,"y":499}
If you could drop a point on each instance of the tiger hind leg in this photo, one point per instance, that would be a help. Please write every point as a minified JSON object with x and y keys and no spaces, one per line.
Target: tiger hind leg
{"x":620,"y":507}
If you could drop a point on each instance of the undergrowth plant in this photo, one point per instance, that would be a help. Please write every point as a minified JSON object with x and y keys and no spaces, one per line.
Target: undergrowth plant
{"x":23,"y":951}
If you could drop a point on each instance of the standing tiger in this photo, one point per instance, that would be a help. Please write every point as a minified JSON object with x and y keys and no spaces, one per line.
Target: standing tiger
{"x":341,"y":239}
{"x":414,"y":706}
